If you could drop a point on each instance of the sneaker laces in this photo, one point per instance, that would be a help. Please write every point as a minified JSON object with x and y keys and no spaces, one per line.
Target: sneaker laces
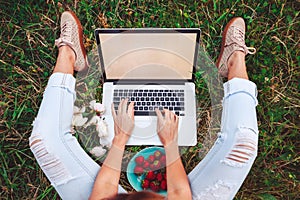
{"x":239,"y":35}
{"x":65,"y":36}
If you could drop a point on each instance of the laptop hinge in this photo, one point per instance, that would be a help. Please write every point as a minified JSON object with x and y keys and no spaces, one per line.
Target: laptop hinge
{"x":150,"y":82}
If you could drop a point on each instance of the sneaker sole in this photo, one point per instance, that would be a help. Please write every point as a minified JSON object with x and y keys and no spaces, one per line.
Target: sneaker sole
{"x":80,"y":33}
{"x":224,"y":34}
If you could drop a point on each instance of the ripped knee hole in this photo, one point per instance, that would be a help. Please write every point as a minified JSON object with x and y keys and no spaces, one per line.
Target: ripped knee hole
{"x":245,"y":147}
{"x":50,"y":163}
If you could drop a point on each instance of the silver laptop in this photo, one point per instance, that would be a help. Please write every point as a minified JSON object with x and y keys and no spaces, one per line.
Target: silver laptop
{"x":155,"y":69}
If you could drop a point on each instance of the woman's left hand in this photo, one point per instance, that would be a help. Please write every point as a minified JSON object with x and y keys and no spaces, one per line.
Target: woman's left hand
{"x":123,"y":121}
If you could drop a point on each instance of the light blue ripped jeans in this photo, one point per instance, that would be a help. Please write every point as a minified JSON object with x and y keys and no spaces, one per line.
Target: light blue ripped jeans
{"x":72,"y":172}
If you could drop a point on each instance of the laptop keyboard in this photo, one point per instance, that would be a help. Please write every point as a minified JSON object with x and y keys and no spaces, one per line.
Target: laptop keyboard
{"x":145,"y":100}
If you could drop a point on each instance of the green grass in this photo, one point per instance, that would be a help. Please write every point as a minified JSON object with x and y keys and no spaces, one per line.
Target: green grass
{"x":27,"y":55}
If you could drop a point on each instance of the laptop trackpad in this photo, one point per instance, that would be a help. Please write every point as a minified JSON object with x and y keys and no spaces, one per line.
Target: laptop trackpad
{"x":144,"y":121}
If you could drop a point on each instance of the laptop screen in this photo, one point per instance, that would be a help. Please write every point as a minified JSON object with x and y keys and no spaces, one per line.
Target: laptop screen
{"x":141,"y":54}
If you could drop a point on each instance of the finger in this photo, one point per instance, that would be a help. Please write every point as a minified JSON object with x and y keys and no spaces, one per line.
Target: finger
{"x":172,"y":116}
{"x":176,"y":123}
{"x":113,"y":112}
{"x":124,"y":106}
{"x":120,"y":106}
{"x":131,"y":110}
{"x":167,"y":114}
{"x":176,"y":119}
{"x":159,"y":115}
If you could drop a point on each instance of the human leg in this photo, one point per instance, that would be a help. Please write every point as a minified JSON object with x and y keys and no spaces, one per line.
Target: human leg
{"x":221,"y":173}
{"x":70,"y":170}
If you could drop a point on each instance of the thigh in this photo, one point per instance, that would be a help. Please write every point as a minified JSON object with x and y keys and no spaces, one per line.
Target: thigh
{"x":221,"y":173}
{"x":67,"y":166}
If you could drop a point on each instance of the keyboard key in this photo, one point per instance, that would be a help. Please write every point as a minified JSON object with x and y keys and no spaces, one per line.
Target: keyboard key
{"x":144,"y":113}
{"x":180,"y":104}
{"x":177,"y":108}
{"x":116,"y":99}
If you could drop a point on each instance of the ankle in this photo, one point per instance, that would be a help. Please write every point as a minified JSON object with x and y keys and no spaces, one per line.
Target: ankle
{"x":237,"y":66}
{"x":67,"y":53}
{"x":65,"y":60}
{"x":237,"y":57}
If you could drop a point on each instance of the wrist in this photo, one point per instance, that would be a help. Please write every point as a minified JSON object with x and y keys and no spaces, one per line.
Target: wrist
{"x":119,"y":142}
{"x":172,"y":153}
{"x":171,"y":146}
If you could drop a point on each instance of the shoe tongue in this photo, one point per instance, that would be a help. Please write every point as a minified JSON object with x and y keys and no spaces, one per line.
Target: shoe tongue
{"x":238,"y":34}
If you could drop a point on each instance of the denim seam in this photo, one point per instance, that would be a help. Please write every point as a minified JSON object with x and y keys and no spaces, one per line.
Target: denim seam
{"x":245,"y":92}
{"x":62,"y":137}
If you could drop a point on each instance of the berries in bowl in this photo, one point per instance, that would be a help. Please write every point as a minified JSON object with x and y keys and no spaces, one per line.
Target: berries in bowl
{"x":147,"y":170}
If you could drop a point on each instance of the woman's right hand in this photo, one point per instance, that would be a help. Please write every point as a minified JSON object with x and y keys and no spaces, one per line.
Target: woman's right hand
{"x":167,"y":127}
{"x":123,"y":121}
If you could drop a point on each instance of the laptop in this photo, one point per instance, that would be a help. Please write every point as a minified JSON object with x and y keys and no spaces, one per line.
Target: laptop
{"x":154,"y":67}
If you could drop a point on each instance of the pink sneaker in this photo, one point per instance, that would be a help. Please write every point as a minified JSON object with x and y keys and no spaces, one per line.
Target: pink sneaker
{"x":72,"y":36}
{"x":233,"y":40}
